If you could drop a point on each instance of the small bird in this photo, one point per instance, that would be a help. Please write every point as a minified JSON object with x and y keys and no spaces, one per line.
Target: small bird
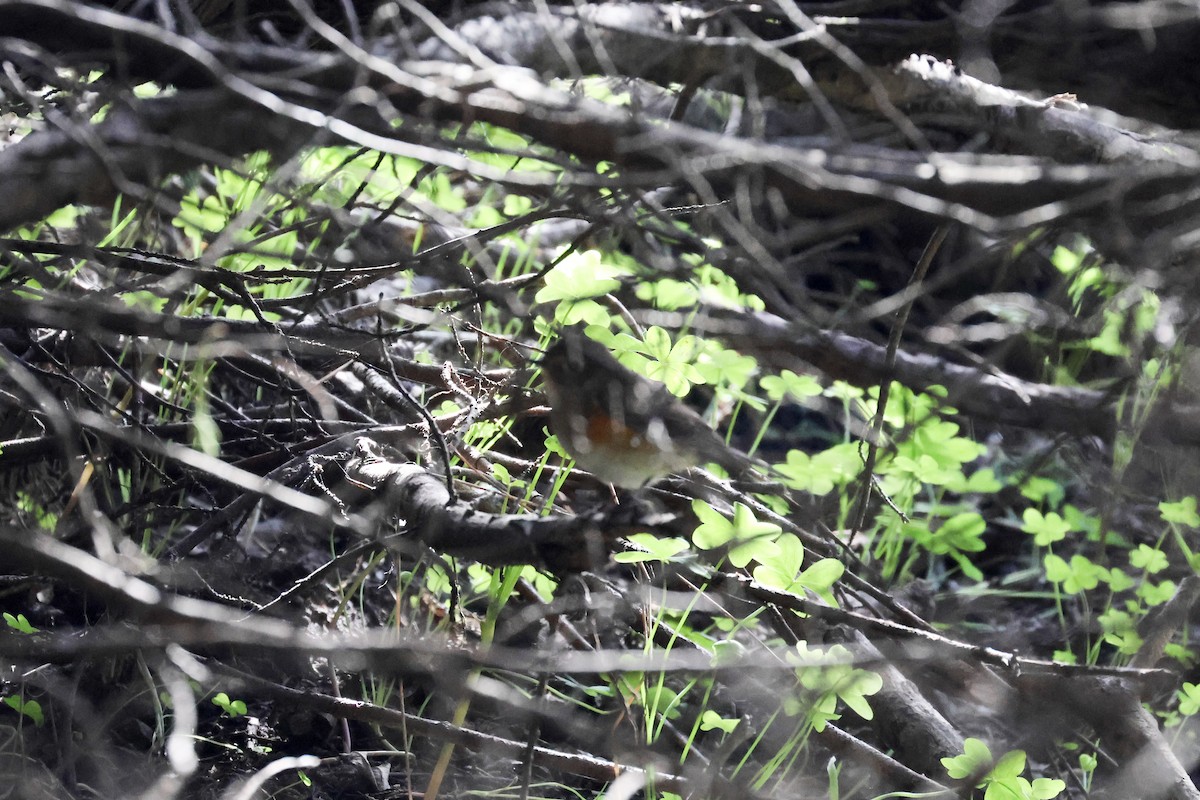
{"x":622,"y":427}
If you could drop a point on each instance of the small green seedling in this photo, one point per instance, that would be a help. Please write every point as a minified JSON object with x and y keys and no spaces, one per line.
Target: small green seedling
{"x":233,"y":708}
{"x":26,"y":708}
{"x":19,"y":623}
{"x":1001,"y":780}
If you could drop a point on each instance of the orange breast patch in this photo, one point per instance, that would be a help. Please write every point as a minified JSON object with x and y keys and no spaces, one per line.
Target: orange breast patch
{"x":606,"y":433}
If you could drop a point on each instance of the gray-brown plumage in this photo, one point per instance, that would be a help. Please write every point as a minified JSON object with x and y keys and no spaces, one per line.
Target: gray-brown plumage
{"x":620,"y":426}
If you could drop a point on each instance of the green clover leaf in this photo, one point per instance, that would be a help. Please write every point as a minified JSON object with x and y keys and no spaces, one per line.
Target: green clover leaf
{"x":1189,"y":699}
{"x":579,"y":276}
{"x":662,"y":549}
{"x":1182,"y":512}
{"x":1148,"y":558}
{"x":1046,"y":529}
{"x":789,"y":384}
